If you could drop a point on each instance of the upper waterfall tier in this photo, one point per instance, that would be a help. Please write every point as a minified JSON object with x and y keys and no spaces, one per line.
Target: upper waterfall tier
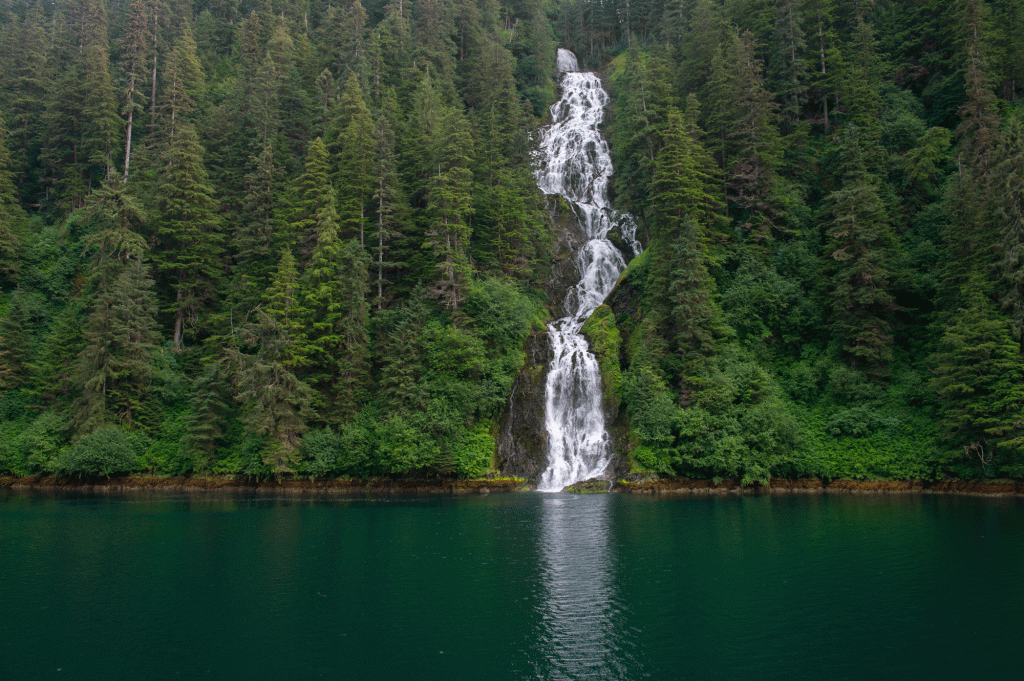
{"x":574,"y":156}
{"x":566,"y":61}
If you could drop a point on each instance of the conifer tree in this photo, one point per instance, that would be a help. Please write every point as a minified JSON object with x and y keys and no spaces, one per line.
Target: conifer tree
{"x":282,"y":302}
{"x":389,"y":203}
{"x":10,"y":212}
{"x":1007,"y":190}
{"x":449,"y":205}
{"x":342,"y":40}
{"x":255,"y":241}
{"x":276,"y":404}
{"x":861,"y":246}
{"x":353,"y":144}
{"x":313,"y":200}
{"x":980,"y":380}
{"x":684,"y":184}
{"x":28,"y":96}
{"x":135,"y":49}
{"x":788,"y":64}
{"x":208,"y":413}
{"x":188,"y":237}
{"x":110,"y":370}
{"x":16,"y":344}
{"x":979,"y":126}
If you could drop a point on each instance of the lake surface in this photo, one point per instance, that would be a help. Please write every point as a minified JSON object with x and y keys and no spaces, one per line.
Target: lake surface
{"x":511,"y":586}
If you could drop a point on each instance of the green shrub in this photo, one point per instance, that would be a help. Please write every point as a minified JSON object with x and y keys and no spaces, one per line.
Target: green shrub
{"x":106,"y":451}
{"x":860,"y":421}
{"x":36,"y":448}
{"x":474,"y":454}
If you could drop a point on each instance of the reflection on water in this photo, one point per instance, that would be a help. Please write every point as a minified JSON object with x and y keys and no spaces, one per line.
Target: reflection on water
{"x":581,"y":634}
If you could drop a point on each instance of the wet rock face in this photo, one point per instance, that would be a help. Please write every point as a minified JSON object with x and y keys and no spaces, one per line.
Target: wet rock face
{"x":569,"y":238}
{"x":522,"y":438}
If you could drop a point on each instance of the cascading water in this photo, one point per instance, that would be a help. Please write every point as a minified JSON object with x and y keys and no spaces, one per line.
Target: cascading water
{"x":575,"y":163}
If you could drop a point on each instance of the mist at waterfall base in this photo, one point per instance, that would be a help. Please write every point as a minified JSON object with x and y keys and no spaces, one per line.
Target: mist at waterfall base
{"x":575,"y":163}
{"x":510,"y":586}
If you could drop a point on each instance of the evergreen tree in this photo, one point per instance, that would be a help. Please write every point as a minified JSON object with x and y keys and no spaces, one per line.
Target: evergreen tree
{"x":1007,"y":190}
{"x":449,"y":205}
{"x":27,"y":98}
{"x":188,"y":237}
{"x":11,"y":215}
{"x":110,"y":370}
{"x":389,"y":203}
{"x":354,"y":145}
{"x":135,"y":48}
{"x":276,"y":405}
{"x":208,"y":413}
{"x":980,"y":380}
{"x":684,"y":183}
{"x":16,"y":344}
{"x":788,"y":62}
{"x":861,"y":246}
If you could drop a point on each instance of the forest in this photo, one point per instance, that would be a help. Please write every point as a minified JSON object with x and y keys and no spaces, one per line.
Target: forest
{"x":303,"y":237}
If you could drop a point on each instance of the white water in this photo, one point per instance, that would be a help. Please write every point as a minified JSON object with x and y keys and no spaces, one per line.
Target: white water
{"x":575,"y":163}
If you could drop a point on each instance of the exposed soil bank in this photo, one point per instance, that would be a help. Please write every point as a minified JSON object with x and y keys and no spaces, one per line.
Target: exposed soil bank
{"x":373,"y":487}
{"x":812,"y":485}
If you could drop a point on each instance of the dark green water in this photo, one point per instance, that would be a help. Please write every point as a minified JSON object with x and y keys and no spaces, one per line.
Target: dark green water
{"x":515,"y":586}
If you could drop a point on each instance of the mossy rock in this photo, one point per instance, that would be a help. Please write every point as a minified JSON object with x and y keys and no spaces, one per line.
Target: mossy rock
{"x":591,"y":486}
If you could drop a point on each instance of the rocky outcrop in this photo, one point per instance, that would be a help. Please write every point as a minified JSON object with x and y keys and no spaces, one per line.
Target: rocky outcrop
{"x":522,"y":437}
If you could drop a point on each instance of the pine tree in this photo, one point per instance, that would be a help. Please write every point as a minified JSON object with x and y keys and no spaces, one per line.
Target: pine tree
{"x":188,"y":237}
{"x":979,"y":126}
{"x":275,"y":403}
{"x":313,"y":200}
{"x":11,"y":215}
{"x":788,"y":64}
{"x":861,"y":246}
{"x":135,"y":337}
{"x":283,"y":304}
{"x":507,"y":227}
{"x":16,"y":344}
{"x":449,"y":205}
{"x":1007,"y":190}
{"x":208,"y":412}
{"x":116,"y":332}
{"x":342,"y":40}
{"x":135,"y":48}
{"x":389,"y":203}
{"x":184,"y":85}
{"x":685,"y":178}
{"x":28,"y":97}
{"x":353,"y":143}
{"x":980,"y":380}
{"x":255,"y":240}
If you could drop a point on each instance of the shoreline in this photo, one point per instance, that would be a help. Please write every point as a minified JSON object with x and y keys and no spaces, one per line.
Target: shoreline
{"x":676,"y":486}
{"x":388,"y":487}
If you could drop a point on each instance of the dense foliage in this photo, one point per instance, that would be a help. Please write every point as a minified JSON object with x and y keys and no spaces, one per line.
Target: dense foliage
{"x":271,"y":237}
{"x":266,"y":238}
{"x":833,"y":193}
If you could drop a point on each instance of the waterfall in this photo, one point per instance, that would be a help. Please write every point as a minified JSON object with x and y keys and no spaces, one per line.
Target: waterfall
{"x":575,"y":163}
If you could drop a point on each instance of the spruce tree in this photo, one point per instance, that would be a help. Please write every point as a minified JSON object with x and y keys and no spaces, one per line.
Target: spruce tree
{"x":276,"y":404}
{"x":11,"y":215}
{"x":861,"y":247}
{"x":389,"y":204}
{"x":449,"y":205}
{"x":187,"y":234}
{"x":110,"y":370}
{"x":980,"y":381}
{"x":354,"y":158}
